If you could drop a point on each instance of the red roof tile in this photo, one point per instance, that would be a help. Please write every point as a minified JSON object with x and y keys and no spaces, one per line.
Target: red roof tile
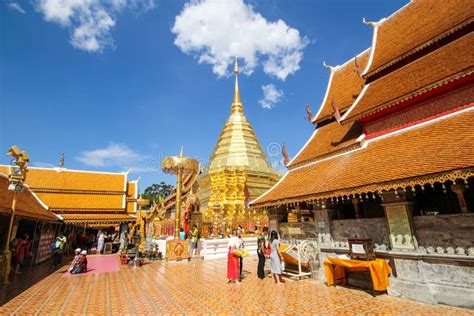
{"x":343,"y":87}
{"x":418,"y":23}
{"x":454,"y":59}
{"x":328,"y":140}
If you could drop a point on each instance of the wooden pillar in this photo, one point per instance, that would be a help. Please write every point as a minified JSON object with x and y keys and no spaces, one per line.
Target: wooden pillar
{"x":355,"y":202}
{"x":458,"y":189}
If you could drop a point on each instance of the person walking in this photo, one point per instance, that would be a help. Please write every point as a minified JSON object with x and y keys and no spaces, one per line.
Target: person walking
{"x":58,"y":252}
{"x":22,"y":250}
{"x":261,"y":250}
{"x":232,"y":259}
{"x":241,"y":258}
{"x":194,"y":240}
{"x":100,"y":242}
{"x":275,"y":257}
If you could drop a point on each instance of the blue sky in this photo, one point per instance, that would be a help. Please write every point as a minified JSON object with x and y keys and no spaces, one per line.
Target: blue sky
{"x":118,"y":84}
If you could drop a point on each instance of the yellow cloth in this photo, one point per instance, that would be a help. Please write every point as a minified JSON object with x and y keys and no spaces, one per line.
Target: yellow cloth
{"x":241,"y":253}
{"x":379,"y":270}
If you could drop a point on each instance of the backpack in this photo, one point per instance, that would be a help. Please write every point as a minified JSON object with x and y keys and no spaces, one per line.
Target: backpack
{"x":52,"y":246}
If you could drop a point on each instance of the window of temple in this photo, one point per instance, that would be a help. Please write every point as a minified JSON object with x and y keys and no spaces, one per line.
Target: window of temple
{"x":347,"y":210}
{"x":372,"y":208}
{"x":440,"y":199}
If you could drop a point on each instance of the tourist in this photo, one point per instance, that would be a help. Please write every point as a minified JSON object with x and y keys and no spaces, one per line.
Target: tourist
{"x":262,"y":247}
{"x":100,"y":242}
{"x":76,"y":260}
{"x":182,"y":234}
{"x":275,"y":257}
{"x":241,"y":244}
{"x":22,"y":250}
{"x":232,"y":259}
{"x":194,"y":240}
{"x":81,"y":264}
{"x":58,"y":251}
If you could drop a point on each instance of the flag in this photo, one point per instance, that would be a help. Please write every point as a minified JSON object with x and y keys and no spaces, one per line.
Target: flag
{"x":286,"y":159}
{"x":337,"y":115}
{"x":308,"y":111}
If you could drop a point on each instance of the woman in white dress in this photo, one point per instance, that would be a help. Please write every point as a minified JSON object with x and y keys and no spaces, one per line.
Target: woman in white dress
{"x":275,"y":257}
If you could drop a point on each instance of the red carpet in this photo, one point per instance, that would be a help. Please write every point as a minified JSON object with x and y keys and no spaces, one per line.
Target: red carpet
{"x":100,"y":264}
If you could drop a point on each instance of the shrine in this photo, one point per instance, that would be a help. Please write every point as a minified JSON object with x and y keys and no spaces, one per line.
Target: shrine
{"x":238,"y":171}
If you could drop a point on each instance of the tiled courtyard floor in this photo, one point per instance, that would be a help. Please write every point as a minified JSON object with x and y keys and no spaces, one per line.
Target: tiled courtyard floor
{"x":199,"y":287}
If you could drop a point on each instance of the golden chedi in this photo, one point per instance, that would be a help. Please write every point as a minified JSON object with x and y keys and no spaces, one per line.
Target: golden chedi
{"x":237,"y":173}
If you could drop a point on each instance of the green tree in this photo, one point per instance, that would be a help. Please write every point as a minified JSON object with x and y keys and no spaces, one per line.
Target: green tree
{"x":158,"y":191}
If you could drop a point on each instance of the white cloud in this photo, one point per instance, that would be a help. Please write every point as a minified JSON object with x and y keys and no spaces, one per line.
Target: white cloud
{"x":89,"y":21}
{"x":118,"y":156}
{"x":15,"y":6}
{"x":271,"y":96}
{"x":214,"y":31}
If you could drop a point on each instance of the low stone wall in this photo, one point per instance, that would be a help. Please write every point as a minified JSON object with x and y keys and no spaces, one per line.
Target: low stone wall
{"x":374,"y":228}
{"x":455,"y":230}
{"x":433,"y":281}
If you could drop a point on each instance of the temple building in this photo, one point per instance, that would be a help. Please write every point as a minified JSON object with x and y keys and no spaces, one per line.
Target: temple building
{"x":238,"y":171}
{"x":84,"y":198}
{"x":392,"y":155}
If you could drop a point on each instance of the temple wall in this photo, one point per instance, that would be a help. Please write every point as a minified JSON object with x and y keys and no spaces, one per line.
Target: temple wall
{"x":455,"y":230}
{"x":300,"y":230}
{"x":374,"y":228}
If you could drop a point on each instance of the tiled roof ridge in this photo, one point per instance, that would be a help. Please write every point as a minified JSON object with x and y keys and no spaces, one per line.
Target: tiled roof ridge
{"x":94,"y":210}
{"x":337,"y":152}
{"x":411,"y":95}
{"x":68,"y":191}
{"x":432,"y":41}
{"x":58,"y":169}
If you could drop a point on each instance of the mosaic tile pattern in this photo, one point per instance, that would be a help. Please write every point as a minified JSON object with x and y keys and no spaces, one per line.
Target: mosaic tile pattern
{"x":200,"y":287}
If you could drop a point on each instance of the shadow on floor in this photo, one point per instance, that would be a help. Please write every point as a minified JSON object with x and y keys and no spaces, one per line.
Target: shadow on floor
{"x":29,"y":276}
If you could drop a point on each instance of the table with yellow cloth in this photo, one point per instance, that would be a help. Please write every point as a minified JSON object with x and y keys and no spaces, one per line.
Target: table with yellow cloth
{"x":379,"y":270}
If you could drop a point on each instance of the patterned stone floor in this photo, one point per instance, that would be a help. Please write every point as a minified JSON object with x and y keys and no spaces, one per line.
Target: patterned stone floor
{"x":199,"y":287}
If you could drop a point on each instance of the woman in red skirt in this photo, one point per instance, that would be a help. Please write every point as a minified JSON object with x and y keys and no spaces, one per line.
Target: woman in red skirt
{"x":233,"y":260}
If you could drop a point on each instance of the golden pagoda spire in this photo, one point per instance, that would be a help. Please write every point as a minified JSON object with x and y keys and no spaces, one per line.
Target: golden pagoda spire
{"x":236,"y":103}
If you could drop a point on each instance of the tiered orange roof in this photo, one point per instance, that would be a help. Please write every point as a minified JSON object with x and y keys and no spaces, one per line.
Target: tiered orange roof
{"x":418,"y":24}
{"x":77,"y":195}
{"x":446,"y":64}
{"x":69,"y":190}
{"x":327,"y":140}
{"x":28,"y":204}
{"x":438,"y":147}
{"x":344,"y":86}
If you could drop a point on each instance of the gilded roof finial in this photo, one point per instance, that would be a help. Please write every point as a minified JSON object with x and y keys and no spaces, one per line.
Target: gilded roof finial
{"x":236,"y":103}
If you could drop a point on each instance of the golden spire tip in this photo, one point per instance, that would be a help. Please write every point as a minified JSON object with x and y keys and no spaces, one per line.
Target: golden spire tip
{"x":236,"y":66}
